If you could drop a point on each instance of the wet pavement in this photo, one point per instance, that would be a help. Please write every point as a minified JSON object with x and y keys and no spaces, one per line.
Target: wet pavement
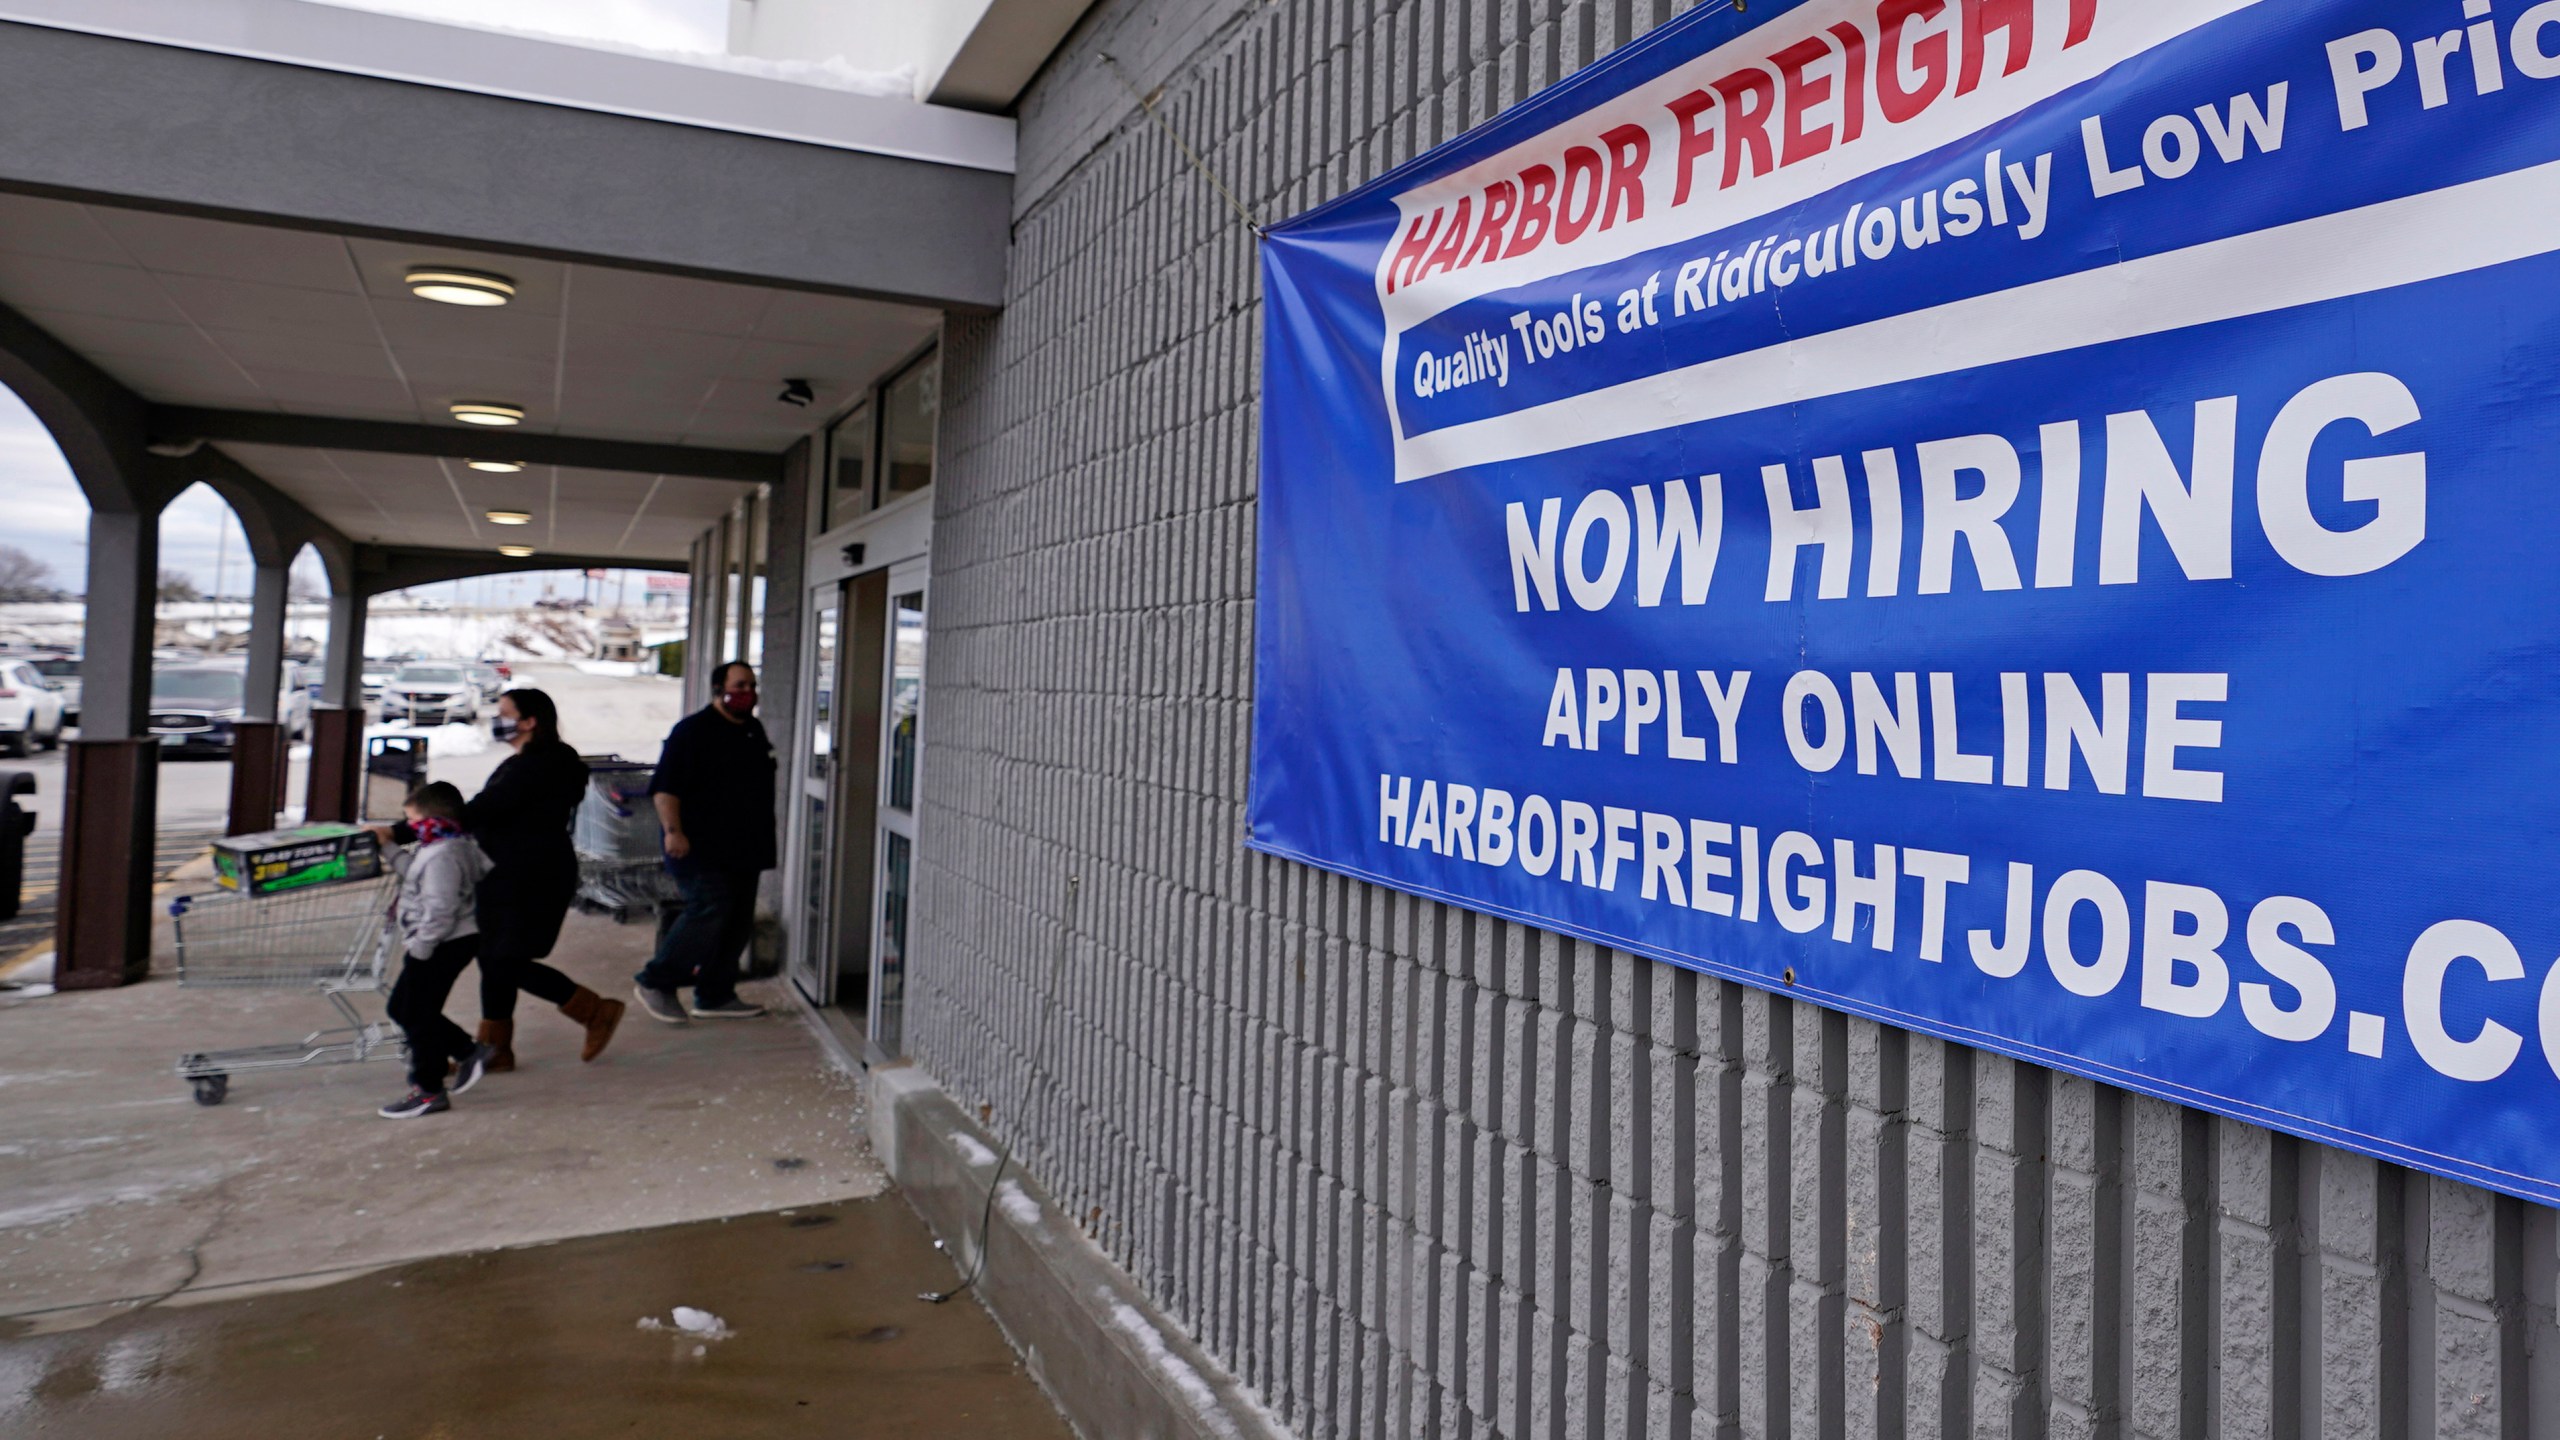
{"x":116,"y":1186}
{"x":825,"y":1338}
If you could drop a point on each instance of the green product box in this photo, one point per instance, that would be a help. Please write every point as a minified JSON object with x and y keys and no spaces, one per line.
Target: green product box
{"x":297,"y":859}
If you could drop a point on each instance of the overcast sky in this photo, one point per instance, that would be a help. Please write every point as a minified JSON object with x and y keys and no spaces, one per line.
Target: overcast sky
{"x":47,"y":516}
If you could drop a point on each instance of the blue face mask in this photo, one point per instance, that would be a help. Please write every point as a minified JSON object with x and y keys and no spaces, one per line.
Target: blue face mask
{"x":505,"y":727}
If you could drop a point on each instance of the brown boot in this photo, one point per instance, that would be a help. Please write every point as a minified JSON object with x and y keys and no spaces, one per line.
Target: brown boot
{"x":598,"y":1014}
{"x":499,"y":1035}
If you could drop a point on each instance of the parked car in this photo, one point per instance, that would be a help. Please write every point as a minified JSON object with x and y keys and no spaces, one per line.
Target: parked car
{"x":377,"y":673}
{"x":431,"y":694}
{"x":492,"y":680}
{"x":63,"y":672}
{"x":30,"y":708}
{"x":195,"y":707}
{"x":293,"y":705}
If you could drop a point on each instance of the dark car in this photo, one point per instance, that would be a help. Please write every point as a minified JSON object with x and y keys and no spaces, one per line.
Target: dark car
{"x":193,"y":707}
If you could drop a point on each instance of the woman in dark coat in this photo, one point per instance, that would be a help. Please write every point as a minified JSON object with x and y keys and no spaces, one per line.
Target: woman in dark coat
{"x":521,"y":820}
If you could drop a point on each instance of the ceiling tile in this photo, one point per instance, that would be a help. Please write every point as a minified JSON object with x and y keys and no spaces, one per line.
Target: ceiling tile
{"x":836,"y":320}
{"x":637,"y":297}
{"x":103,"y":338}
{"x":182,"y":382}
{"x":486,"y":377}
{"x":282,"y":311}
{"x":262,"y":353}
{"x":352,"y":396}
{"x":423,"y":327}
{"x":645,"y":349}
{"x":63,"y":229}
{"x":192,"y":245}
{"x":43,"y":282}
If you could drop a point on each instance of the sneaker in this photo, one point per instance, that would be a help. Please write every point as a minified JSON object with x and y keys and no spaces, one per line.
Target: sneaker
{"x":417,"y":1102}
{"x":468,"y":1070}
{"x":663,"y":1005}
{"x":732,"y":1008}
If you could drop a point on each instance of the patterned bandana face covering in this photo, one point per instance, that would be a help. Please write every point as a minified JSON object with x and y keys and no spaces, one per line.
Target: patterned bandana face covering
{"x":433,"y":828}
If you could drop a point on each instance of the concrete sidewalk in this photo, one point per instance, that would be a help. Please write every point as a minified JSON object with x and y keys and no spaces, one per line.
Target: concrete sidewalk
{"x":117,"y":1189}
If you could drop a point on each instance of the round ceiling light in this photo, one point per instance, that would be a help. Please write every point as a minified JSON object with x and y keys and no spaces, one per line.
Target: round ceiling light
{"x":509,"y":517}
{"x":496,"y":467}
{"x":487,"y":412}
{"x":460,"y":287}
{"x":515,"y":552}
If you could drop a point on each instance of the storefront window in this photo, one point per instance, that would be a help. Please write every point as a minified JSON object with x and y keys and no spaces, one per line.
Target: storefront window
{"x":910,"y":404}
{"x":849,"y":450}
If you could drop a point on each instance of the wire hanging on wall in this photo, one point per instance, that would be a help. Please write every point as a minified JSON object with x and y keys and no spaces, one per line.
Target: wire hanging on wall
{"x":1039,"y":1052}
{"x":1148,"y":105}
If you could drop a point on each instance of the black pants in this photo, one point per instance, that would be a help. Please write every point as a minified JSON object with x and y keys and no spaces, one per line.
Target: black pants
{"x":502,"y":976}
{"x":520,"y":910}
{"x":709,"y":935}
{"x":417,"y":1007}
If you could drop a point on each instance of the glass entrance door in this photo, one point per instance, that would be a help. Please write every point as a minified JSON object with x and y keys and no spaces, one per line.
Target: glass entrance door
{"x":901,"y":751}
{"x":812,"y":960}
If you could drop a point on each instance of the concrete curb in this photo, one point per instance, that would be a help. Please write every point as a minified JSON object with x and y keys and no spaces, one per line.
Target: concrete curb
{"x":1112,"y":1363}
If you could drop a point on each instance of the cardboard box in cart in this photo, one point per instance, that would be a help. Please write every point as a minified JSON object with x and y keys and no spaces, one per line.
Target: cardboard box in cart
{"x":273,"y":861}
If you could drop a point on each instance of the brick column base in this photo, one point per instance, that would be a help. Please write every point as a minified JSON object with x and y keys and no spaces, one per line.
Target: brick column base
{"x":110,"y":805}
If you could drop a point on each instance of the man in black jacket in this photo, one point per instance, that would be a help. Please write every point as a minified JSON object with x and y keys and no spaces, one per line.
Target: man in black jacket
{"x":714,"y":793}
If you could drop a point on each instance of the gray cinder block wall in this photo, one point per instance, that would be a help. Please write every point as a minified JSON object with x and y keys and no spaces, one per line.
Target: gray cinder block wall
{"x":1410,"y":1171}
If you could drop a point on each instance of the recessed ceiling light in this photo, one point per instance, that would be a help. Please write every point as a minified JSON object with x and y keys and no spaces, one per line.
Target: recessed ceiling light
{"x":460,"y":287}
{"x":515,"y":552}
{"x":509,"y":517}
{"x":487,"y":412}
{"x":496,"y":467}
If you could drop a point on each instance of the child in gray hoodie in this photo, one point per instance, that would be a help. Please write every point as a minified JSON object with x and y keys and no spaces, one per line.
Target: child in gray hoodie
{"x":439,"y":878}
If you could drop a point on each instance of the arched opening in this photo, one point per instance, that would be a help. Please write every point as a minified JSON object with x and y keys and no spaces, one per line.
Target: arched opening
{"x":207,"y":578}
{"x":47,"y":542}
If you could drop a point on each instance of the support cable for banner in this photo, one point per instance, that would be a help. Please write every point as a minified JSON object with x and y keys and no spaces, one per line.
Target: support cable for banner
{"x":1039,"y":1052}
{"x":1148,"y":105}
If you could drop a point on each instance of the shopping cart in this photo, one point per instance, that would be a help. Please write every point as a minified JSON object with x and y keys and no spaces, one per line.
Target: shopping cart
{"x":627,"y":890}
{"x":621,"y":868}
{"x":334,"y":939}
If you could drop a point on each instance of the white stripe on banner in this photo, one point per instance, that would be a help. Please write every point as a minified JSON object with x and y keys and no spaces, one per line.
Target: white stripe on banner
{"x":2399,"y":242}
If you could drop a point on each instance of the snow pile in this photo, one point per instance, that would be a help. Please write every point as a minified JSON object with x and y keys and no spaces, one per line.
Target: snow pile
{"x":448,"y":741}
{"x":978,"y":1156}
{"x":1185,"y":1378}
{"x":833,"y":73}
{"x":700,"y":1324}
{"x":1017,"y":1205}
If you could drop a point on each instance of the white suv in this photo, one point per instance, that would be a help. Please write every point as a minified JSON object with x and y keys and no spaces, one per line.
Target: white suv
{"x":432,"y":693}
{"x":30,"y":709}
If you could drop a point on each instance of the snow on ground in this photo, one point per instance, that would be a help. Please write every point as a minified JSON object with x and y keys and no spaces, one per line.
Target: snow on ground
{"x":459,"y":633}
{"x":449,"y":741}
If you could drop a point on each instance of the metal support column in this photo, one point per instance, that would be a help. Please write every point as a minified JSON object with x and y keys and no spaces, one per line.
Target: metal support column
{"x":337,"y":722}
{"x":259,"y":744}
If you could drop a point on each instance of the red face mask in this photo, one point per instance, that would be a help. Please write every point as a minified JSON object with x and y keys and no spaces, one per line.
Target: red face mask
{"x":738,"y":702}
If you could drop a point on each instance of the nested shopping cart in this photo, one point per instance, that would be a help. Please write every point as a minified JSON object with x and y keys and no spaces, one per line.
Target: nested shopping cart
{"x":621,"y":865}
{"x":333,"y":940}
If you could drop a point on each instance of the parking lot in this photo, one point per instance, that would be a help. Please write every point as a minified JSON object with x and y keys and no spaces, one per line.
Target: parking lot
{"x":599,"y":713}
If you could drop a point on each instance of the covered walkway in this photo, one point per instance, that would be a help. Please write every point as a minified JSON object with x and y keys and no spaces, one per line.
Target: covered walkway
{"x":436,"y":304}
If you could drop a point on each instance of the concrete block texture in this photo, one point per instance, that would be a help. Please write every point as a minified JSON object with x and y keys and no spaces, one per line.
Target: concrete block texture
{"x":1410,"y":1171}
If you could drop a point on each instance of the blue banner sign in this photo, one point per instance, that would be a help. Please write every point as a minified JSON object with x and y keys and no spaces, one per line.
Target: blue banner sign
{"x":2030,"y":520}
